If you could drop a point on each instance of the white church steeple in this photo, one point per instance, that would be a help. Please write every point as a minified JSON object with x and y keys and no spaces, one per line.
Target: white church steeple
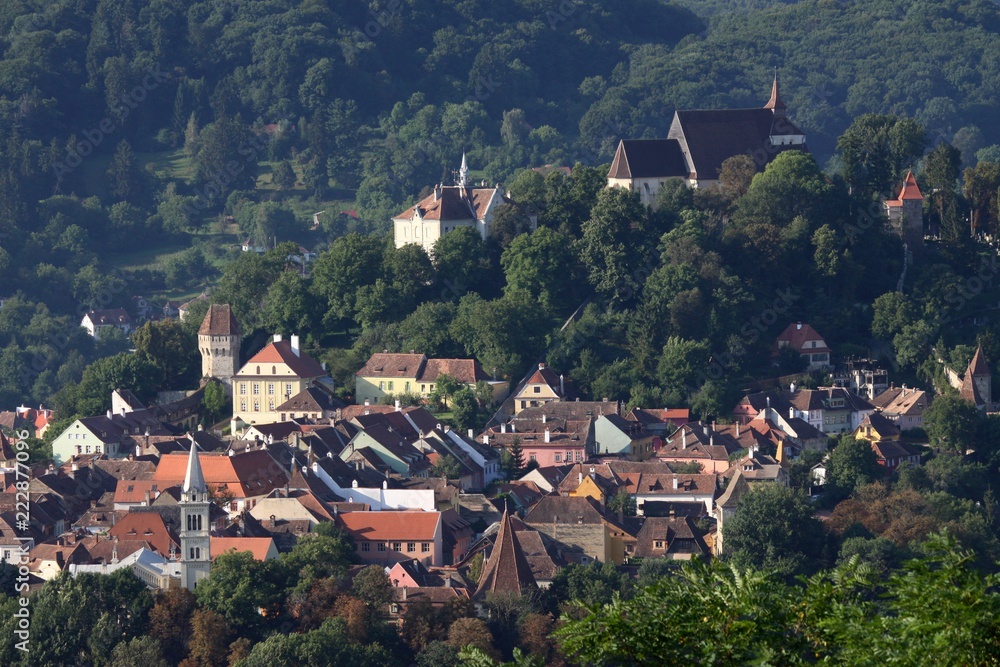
{"x":463,"y":173}
{"x":195,"y":536}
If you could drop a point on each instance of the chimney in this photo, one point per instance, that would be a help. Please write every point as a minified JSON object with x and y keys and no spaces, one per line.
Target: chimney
{"x":547,"y":436}
{"x":544,"y":419}
{"x":486,"y":439}
{"x":503,"y":428}
{"x":768,"y":401}
{"x":385,"y":484}
{"x":277,"y":338}
{"x":541,"y":366}
{"x":295,"y":344}
{"x":404,"y":587}
{"x":798,"y":326}
{"x":562,"y":384}
{"x":791,"y":412}
{"x":398,"y":408}
{"x":675,"y":482}
{"x":367,"y":402}
{"x":123,"y":412}
{"x":272,"y":521}
{"x":737,"y":429}
{"x":684,"y":439}
{"x":472,"y":434}
{"x":146,"y":502}
{"x":109,"y":414}
{"x":513,"y":427}
{"x":579,"y":479}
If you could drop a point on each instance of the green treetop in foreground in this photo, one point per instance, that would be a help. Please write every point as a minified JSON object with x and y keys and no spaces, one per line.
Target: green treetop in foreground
{"x":936,"y":610}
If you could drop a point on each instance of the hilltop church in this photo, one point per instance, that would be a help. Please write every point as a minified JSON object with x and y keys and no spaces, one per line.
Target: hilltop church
{"x":699,"y":141}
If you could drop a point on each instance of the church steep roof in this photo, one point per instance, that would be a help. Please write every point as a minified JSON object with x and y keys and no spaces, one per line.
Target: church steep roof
{"x":648,"y":158}
{"x":506,"y":569}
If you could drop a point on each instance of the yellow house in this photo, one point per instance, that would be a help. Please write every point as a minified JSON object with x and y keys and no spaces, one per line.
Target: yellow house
{"x":390,"y":374}
{"x":876,"y":428}
{"x":588,"y":488}
{"x":270,"y":378}
{"x":544,"y":386}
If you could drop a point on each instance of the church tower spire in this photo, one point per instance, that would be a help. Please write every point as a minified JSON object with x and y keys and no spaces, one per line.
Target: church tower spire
{"x":776,"y":104}
{"x":463,"y":173}
{"x":195,"y":537}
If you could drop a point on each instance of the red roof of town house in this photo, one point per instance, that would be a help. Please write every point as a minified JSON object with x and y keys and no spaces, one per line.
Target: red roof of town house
{"x":280,"y":352}
{"x":797,"y":335}
{"x":149,"y":527}
{"x":252,"y":473}
{"x":257,"y":546}
{"x":135,"y":490}
{"x":390,"y":525}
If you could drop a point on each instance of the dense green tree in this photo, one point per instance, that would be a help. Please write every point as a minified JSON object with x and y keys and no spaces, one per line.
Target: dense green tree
{"x":350,"y":262}
{"x":121,"y":371}
{"x":239,"y":586}
{"x":853,"y":464}
{"x":774,"y":528}
{"x":460,"y":260}
{"x":951,"y":422}
{"x":171,"y":349}
{"x":543,"y":265}
{"x":609,"y":250}
{"x":283,"y":176}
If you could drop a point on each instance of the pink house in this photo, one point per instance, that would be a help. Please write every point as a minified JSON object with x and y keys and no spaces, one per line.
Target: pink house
{"x":388,"y":537}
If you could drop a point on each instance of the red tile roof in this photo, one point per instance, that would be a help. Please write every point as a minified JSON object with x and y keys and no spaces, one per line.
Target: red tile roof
{"x":280,"y":352}
{"x":390,"y":525}
{"x":252,"y":473}
{"x":257,"y":546}
{"x":146,"y":526}
{"x":453,"y":203}
{"x":798,"y":334}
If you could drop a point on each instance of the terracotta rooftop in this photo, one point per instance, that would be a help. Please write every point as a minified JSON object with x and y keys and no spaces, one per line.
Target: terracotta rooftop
{"x":252,"y":473}
{"x":452,"y":203}
{"x":390,"y":525}
{"x":280,"y":352}
{"x":257,"y":546}
{"x":798,"y":334}
{"x":149,"y":527}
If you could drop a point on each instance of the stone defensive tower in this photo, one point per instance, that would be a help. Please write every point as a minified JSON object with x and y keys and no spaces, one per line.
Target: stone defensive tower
{"x":219,"y":343}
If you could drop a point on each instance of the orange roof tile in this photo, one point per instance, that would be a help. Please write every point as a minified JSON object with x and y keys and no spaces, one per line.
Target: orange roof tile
{"x":389,"y":525}
{"x":258,"y":546}
{"x":147,"y":526}
{"x":280,"y":352}
{"x":252,"y":473}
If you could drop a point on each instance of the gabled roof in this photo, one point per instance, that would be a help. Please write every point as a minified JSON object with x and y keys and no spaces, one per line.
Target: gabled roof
{"x":798,"y":334}
{"x":147,"y":526}
{"x":219,"y":321}
{"x":903,"y":402}
{"x":561,"y":509}
{"x":506,"y":570}
{"x":735,"y":490}
{"x":676,"y":535}
{"x":713,"y":136}
{"x":252,"y":473}
{"x":311,"y":399}
{"x":387,"y":364}
{"x":110,"y":316}
{"x":452,"y":202}
{"x":880,"y":424}
{"x":648,"y":158}
{"x":280,"y":352}
{"x":466,"y":371}
{"x":892,"y":449}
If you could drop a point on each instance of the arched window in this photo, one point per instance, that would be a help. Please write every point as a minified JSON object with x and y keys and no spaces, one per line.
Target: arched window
{"x":274,"y":371}
{"x":258,"y":370}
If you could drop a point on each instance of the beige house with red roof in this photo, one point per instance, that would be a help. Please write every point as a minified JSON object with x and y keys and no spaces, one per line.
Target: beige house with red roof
{"x":448,"y":208}
{"x":804,"y":340}
{"x":388,"y":374}
{"x":97,"y":321}
{"x":544,"y":386}
{"x":388,"y":536}
{"x":271,"y":377}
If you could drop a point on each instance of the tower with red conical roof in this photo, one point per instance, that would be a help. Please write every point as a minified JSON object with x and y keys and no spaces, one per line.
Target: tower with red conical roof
{"x":906,"y":215}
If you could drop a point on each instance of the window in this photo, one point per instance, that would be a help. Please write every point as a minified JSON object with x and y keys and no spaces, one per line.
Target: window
{"x":256,"y":388}
{"x":270,"y":389}
{"x":531,"y":457}
{"x":256,"y":406}
{"x":524,"y":404}
{"x":274,"y":371}
{"x":381,"y":385}
{"x":425,"y":547}
{"x":288,"y":389}
{"x":270,"y":404}
{"x":659,"y":544}
{"x":258,"y":370}
{"x":411,"y":547}
{"x":381,"y":546}
{"x":423,"y":388}
{"x":243,"y":406}
{"x":397,"y":546}
{"x":394,"y":608}
{"x":558,"y":458}
{"x":536,"y":389}
{"x":579,"y":456}
{"x":79,"y":449}
{"x":243,"y":388}
{"x":88,"y":449}
{"x":366,"y":546}
{"x":390,"y":385}
{"x":407,"y":388}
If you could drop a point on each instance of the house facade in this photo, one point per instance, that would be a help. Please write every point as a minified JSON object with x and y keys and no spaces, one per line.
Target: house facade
{"x":388,"y":537}
{"x":388,"y":374}
{"x":271,"y":377}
